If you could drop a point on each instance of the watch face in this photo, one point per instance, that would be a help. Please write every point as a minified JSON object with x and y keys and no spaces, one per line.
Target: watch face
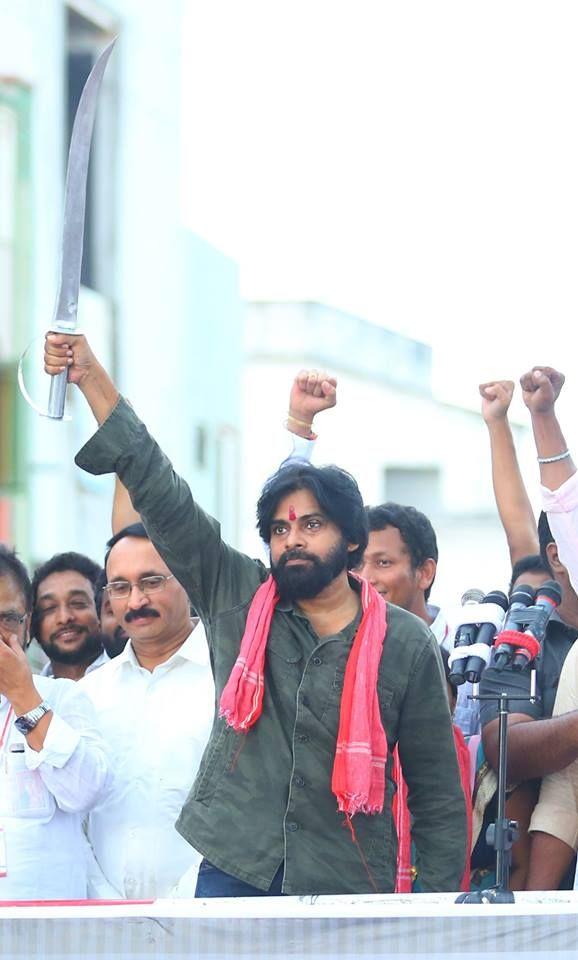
{"x":28,"y":721}
{"x":24,"y":725}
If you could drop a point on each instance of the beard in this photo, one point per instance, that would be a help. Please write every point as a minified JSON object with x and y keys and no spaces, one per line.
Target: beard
{"x":115,"y":642}
{"x":86,"y":652}
{"x":306,"y":581}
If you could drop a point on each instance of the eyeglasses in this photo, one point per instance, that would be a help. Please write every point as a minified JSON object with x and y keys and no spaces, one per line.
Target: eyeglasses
{"x":11,"y":621}
{"x":120,"y":589}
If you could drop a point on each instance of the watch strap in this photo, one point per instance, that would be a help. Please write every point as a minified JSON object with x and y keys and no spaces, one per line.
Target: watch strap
{"x":29,"y":720}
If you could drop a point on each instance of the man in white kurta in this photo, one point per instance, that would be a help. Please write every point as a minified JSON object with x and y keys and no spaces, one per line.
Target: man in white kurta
{"x":155,"y":704}
{"x":52,"y":763}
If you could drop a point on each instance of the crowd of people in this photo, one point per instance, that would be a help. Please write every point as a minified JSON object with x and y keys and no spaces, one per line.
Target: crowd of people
{"x":206,"y":725}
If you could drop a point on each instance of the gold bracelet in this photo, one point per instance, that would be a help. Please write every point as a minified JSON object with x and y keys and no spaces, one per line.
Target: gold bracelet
{"x":302,"y":423}
{"x":311,"y":436}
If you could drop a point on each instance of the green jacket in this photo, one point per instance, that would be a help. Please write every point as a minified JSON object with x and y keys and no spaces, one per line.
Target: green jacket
{"x":263,"y":798}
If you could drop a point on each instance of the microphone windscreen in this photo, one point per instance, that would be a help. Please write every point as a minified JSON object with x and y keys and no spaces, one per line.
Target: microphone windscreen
{"x":524,"y":594}
{"x":550,"y":591}
{"x":472,"y":596}
{"x":497,"y":597}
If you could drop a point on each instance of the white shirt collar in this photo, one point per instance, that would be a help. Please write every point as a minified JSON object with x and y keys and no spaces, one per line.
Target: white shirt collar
{"x":48,"y":670}
{"x":194,"y":648}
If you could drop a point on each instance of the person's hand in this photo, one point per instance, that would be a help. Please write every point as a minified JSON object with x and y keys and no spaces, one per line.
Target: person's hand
{"x":312,"y":391}
{"x":496,"y":399}
{"x":66,"y":351}
{"x":16,"y":682}
{"x":541,"y":388}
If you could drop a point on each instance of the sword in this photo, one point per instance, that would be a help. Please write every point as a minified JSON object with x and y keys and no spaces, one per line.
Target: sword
{"x":66,"y":308}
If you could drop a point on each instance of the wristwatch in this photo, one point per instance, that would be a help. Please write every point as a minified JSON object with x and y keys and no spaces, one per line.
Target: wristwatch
{"x":28,"y":721}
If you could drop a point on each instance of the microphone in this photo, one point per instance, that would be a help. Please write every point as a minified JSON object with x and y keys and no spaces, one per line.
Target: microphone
{"x":486,"y":634}
{"x":465,"y":635}
{"x":521,"y":598}
{"x":548,"y":596}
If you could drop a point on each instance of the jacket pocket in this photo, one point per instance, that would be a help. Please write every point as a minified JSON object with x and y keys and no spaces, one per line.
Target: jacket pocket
{"x":217,"y":760}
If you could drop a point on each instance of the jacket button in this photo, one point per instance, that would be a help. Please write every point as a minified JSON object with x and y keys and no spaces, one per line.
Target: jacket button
{"x":299,"y":781}
{"x":303,"y":737}
{"x":292,"y":826}
{"x":317,"y":661}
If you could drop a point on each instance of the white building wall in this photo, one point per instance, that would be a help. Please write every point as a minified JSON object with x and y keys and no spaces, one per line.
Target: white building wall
{"x":162,"y":292}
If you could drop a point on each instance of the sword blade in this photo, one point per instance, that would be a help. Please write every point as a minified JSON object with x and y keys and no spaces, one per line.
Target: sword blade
{"x":65,"y":312}
{"x":66,"y":308}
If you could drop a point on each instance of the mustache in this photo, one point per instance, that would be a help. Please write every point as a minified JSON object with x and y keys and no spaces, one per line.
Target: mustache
{"x":295,"y":555}
{"x":141,"y":612}
{"x":71,"y":628}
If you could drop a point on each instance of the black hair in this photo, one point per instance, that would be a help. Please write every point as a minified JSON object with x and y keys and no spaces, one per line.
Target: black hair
{"x":12,"y":566}
{"x":532,"y":563}
{"x":336,"y":493}
{"x":98,"y":596}
{"x":414,"y":528}
{"x":62,"y":563}
{"x":132,"y":530}
{"x":545,"y":537}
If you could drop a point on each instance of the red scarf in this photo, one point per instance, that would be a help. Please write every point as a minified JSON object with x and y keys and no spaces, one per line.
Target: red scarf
{"x":358,"y":780}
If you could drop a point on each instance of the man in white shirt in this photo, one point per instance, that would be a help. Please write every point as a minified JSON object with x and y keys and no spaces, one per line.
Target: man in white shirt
{"x":52,"y":762}
{"x":155,"y":703}
{"x":64,"y":615}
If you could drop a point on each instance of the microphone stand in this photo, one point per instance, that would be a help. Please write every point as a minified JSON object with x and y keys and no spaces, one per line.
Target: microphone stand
{"x":503,"y":833}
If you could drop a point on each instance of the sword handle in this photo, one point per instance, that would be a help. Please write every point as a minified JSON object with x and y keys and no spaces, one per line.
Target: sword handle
{"x":57,"y":395}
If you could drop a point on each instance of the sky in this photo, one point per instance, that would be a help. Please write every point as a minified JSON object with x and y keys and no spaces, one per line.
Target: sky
{"x":412,"y":162}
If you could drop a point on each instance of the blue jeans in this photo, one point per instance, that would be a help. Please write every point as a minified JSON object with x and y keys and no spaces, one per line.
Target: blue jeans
{"x":213,"y":882}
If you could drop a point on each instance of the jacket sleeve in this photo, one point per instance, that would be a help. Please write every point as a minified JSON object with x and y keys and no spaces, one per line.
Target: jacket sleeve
{"x":215,"y":575}
{"x":430,"y":767}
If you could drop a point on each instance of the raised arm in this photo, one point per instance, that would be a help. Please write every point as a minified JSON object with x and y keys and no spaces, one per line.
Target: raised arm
{"x":62,"y":351}
{"x":123,"y":512}
{"x":512,"y":501}
{"x":189,"y":540}
{"x":541,"y":388}
{"x":311,"y":392}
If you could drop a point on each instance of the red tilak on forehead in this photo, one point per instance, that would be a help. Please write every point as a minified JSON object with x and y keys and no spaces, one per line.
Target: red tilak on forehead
{"x":292,"y":514}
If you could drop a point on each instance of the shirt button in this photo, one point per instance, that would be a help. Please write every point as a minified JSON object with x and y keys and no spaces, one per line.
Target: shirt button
{"x":303,"y":737}
{"x":299,"y":781}
{"x":292,"y":826}
{"x":317,"y":661}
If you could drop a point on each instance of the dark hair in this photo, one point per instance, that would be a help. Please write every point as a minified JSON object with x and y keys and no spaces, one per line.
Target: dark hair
{"x":132,"y":530}
{"x":414,"y":528}
{"x":545,"y":537}
{"x":336,"y":493}
{"x":11,"y":566}
{"x":532,"y":563}
{"x":62,"y":563}
{"x":98,"y":596}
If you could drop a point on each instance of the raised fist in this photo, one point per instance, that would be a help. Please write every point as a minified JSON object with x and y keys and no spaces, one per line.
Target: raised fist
{"x":541,"y":388}
{"x":312,"y":391}
{"x":496,"y":399}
